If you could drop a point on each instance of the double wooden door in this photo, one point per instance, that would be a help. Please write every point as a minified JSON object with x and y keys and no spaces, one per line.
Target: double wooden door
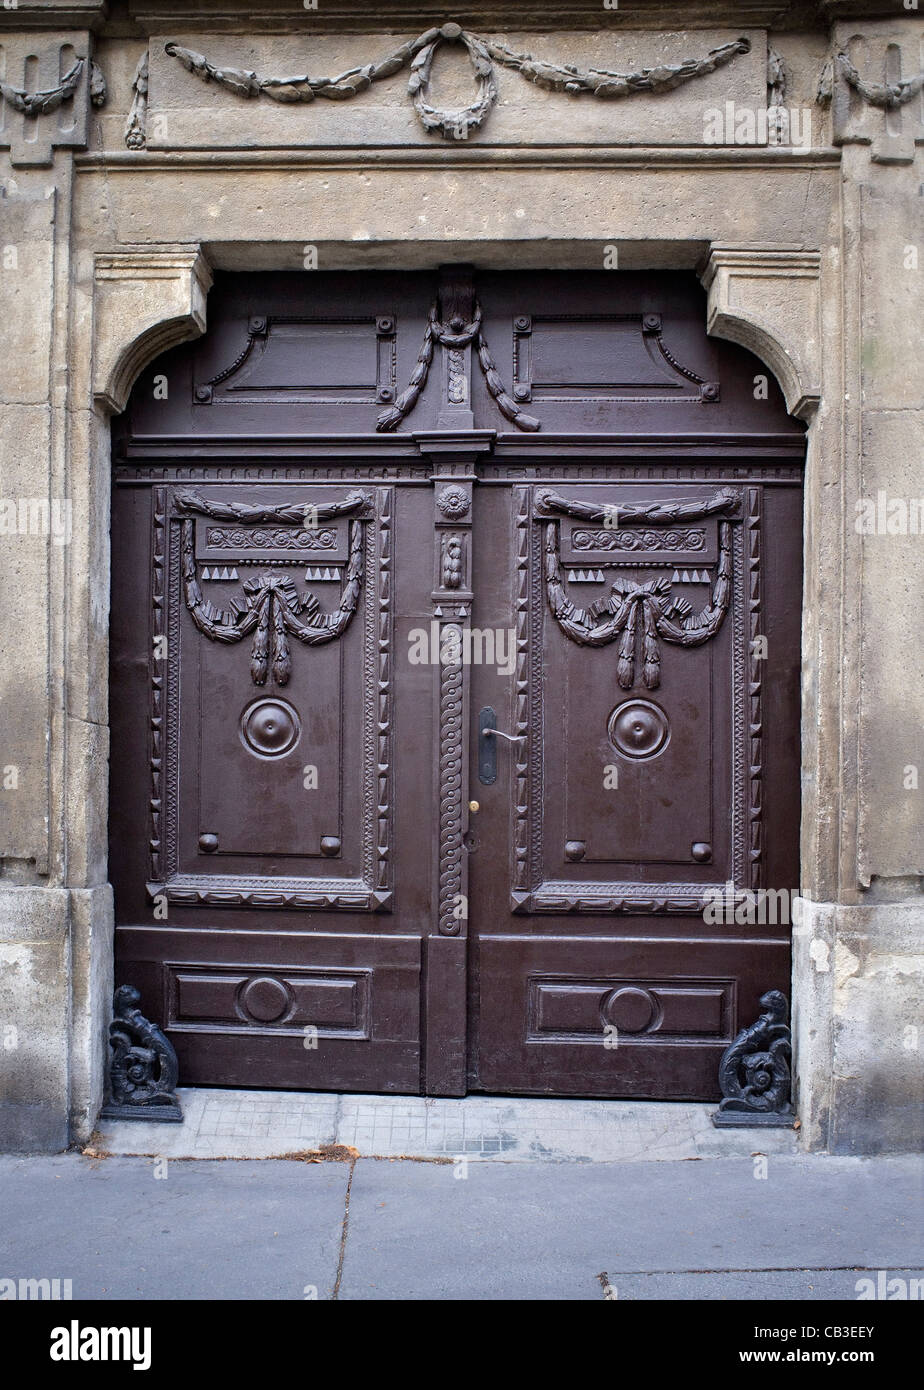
{"x":425,"y":766}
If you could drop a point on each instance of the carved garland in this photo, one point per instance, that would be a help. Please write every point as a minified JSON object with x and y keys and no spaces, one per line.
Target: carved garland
{"x":273,"y":604}
{"x":36,"y":104}
{"x":531,"y":892}
{"x":454,"y":336}
{"x":888,"y":95}
{"x":136,"y":125}
{"x":651,"y":605}
{"x":455,"y":125}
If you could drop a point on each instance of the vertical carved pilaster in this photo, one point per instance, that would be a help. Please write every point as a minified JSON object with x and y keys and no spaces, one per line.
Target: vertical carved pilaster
{"x":521,"y":878}
{"x":47,"y":103}
{"x":452,"y":453}
{"x":457,"y":313}
{"x":159,"y":549}
{"x":452,"y":597}
{"x":754,"y":747}
{"x":452,"y":906}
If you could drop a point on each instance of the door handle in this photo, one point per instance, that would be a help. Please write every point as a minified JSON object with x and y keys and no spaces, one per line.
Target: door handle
{"x":488,"y":734}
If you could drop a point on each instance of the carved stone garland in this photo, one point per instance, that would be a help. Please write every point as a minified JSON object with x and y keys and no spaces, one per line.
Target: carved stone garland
{"x":454,"y":336}
{"x":136,"y":125}
{"x":662,"y":615}
{"x":36,"y":104}
{"x":454,"y":125}
{"x":887,"y":95}
{"x":272,"y":603}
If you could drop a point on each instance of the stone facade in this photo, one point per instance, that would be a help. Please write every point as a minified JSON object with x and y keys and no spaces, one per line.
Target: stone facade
{"x":114,"y":211}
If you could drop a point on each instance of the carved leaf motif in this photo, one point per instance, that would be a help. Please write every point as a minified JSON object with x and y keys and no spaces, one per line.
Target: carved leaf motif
{"x":41,"y":103}
{"x":455,"y":125}
{"x":889,"y":95}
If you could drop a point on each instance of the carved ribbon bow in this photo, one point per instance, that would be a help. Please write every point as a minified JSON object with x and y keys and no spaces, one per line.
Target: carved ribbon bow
{"x":273,"y":610}
{"x":662,"y":615}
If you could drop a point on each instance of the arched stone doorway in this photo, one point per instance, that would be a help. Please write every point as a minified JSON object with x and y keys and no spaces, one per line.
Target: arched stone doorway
{"x":327,"y":873}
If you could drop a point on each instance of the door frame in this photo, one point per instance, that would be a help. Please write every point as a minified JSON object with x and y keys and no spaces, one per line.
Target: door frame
{"x":146,"y":301}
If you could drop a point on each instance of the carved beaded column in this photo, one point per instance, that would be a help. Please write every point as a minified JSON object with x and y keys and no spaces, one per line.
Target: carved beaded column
{"x":453,"y":457}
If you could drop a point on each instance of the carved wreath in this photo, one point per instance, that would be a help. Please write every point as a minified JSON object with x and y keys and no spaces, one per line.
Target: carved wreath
{"x":651,"y":606}
{"x":273,"y":610}
{"x":483,"y":53}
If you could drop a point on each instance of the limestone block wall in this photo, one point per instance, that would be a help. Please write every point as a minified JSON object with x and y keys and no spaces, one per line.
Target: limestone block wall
{"x":114,"y":210}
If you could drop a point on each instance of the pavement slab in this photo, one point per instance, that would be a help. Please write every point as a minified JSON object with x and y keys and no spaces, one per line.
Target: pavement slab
{"x":207,"y":1230}
{"x":497,"y":1231}
{"x":775,"y":1227}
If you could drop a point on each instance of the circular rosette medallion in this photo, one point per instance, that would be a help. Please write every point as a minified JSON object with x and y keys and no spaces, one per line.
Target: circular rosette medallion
{"x":270,"y":728}
{"x":639,"y":729}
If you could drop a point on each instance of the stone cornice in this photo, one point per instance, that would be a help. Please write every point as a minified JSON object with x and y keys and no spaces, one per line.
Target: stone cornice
{"x":358,"y":16}
{"x":55,"y":14}
{"x":652,"y":158}
{"x":355,"y":16}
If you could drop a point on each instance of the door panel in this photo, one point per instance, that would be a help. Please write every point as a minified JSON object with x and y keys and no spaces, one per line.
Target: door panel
{"x":266,"y":700}
{"x":622,"y":1015}
{"x":304,"y":1011}
{"x":637,"y":782}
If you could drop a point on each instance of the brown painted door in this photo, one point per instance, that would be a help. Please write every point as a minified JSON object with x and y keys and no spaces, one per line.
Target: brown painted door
{"x":268,"y":882}
{"x":646,"y":750}
{"x":332,"y":870}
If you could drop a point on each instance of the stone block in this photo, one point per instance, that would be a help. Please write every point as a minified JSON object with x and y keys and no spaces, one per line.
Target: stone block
{"x":34,"y":1009}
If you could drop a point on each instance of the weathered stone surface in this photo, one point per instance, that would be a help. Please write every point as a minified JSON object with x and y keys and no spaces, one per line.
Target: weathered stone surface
{"x":34,"y":990}
{"x":25,"y":675}
{"x":26,"y":286}
{"x":92,"y":927}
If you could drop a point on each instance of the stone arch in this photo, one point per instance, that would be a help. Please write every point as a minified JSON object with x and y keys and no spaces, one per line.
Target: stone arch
{"x":146,"y":301}
{"x":768,"y":301}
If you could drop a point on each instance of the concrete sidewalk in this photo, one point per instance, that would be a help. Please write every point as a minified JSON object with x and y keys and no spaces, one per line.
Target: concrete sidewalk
{"x":480,"y":1229}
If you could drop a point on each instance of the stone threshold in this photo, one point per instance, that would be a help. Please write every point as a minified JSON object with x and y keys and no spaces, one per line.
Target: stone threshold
{"x":510,"y":1129}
